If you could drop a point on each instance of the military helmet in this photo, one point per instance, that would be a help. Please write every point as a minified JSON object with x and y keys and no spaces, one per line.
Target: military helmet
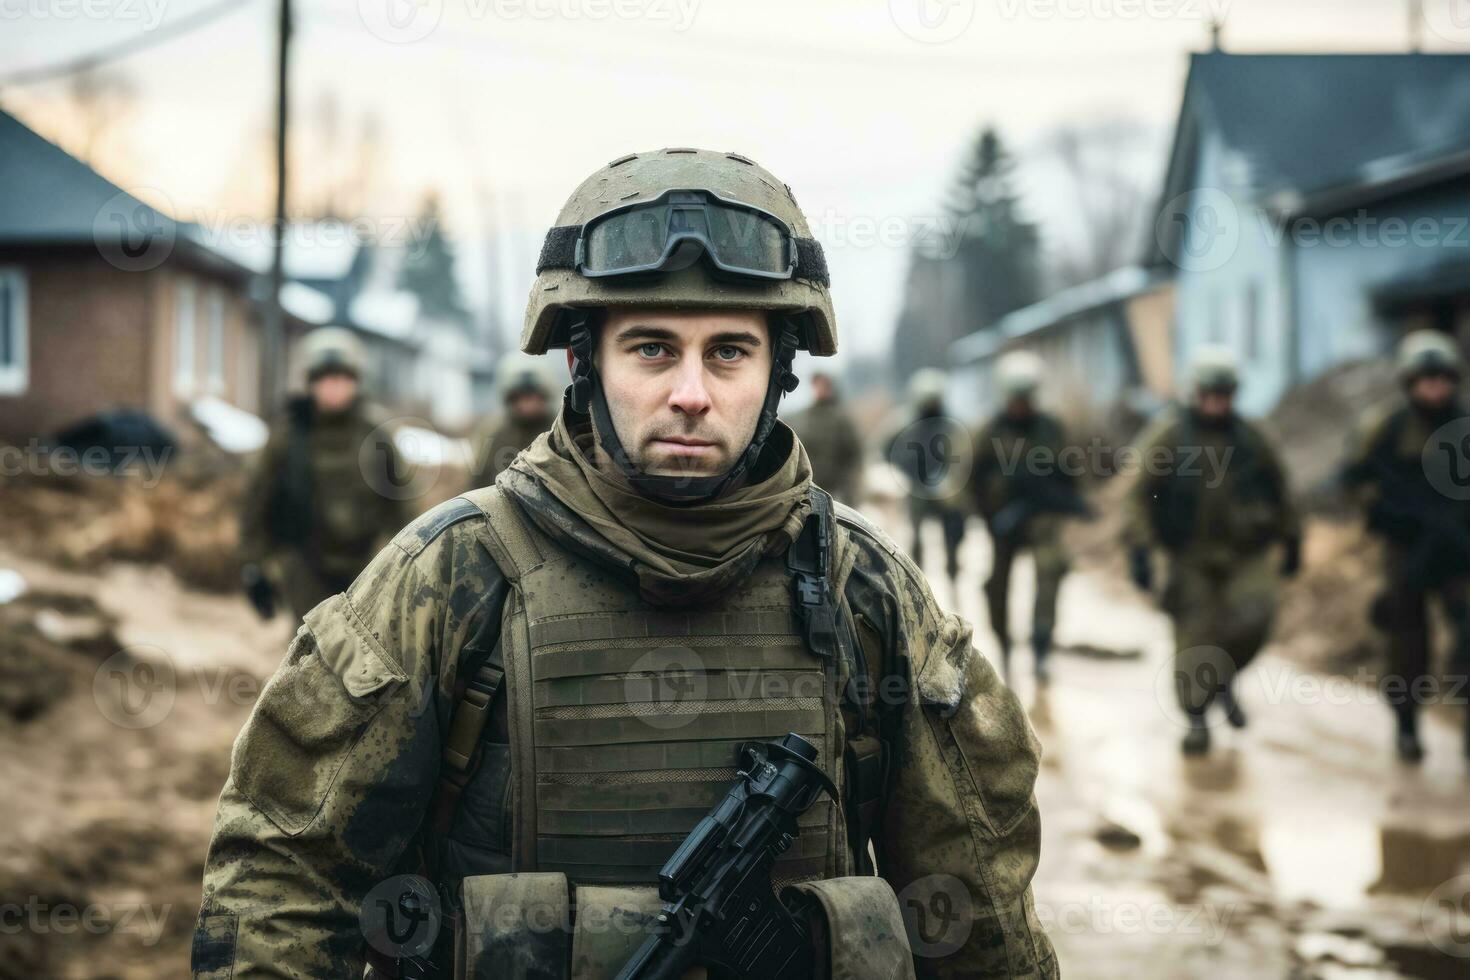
{"x":676,"y":197}
{"x":927,"y":384}
{"x":327,"y":350}
{"x":1427,"y":352}
{"x":1018,"y":374}
{"x":1214,"y":368}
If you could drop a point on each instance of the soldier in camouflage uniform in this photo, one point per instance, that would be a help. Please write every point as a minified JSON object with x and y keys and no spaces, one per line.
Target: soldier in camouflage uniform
{"x":535,"y":692}
{"x":1024,"y":488}
{"x":527,"y":398}
{"x":327,"y":488}
{"x":1212,"y":494}
{"x":832,"y":442}
{"x":1406,"y":469}
{"x":933,"y":451}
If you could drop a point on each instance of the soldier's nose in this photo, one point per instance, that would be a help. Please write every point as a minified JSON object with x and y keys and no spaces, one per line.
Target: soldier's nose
{"x":689,"y":395}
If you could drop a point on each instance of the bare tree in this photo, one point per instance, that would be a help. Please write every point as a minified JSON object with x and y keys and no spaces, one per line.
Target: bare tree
{"x":100,"y":98}
{"x":1108,"y":165}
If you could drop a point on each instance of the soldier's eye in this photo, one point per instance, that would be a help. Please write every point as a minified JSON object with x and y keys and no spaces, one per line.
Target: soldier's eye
{"x":650,"y":350}
{"x":728,"y":353}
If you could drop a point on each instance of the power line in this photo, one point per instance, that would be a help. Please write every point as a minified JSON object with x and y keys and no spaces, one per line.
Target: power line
{"x":123,"y":49}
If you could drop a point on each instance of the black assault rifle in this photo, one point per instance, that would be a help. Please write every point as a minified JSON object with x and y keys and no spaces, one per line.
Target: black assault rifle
{"x":720,"y":908}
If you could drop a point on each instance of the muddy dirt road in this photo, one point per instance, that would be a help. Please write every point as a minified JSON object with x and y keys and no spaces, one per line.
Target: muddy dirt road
{"x":1298,"y":848}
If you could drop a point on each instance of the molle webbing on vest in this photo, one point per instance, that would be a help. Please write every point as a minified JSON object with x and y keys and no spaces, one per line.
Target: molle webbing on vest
{"x":626,"y":718}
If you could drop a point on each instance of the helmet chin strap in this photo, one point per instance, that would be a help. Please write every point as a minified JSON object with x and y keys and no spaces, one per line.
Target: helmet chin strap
{"x":586,"y":396}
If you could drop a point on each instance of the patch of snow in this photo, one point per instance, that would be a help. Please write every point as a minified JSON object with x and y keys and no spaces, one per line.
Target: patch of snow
{"x":232,"y":429}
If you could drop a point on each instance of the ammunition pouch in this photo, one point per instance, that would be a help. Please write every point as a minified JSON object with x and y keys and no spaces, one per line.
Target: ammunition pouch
{"x":537,"y":927}
{"x":857,"y":927}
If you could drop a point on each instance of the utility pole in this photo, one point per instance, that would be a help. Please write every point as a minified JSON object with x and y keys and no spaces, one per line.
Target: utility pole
{"x":271,"y":361}
{"x":1416,"y":25}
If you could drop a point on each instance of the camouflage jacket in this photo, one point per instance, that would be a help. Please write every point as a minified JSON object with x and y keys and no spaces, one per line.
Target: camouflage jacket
{"x":1210,"y":493}
{"x":836,"y":449}
{"x":333,"y":774}
{"x":325,"y":487}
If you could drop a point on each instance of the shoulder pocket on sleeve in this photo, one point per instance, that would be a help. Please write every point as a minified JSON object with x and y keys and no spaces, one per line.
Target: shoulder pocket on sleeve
{"x":310,"y":716}
{"x":981,"y":729}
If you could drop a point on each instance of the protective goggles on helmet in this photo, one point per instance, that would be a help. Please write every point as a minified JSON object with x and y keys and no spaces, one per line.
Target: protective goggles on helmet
{"x":671,"y":232}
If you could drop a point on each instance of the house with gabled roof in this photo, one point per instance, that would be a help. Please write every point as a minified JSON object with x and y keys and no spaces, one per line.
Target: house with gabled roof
{"x":108,"y":302}
{"x":1315,"y":207}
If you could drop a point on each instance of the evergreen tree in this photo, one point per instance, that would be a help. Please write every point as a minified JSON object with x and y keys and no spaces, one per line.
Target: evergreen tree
{"x":999,"y":251}
{"x":428,"y":271}
{"x":986,"y":263}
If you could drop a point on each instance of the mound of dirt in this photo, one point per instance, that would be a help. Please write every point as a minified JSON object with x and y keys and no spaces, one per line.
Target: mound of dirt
{"x":188,"y":524}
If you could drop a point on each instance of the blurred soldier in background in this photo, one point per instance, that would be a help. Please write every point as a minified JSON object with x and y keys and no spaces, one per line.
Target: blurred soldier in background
{"x":933,"y":451}
{"x":527,"y":397}
{"x":832,"y":441}
{"x":1409,"y":476}
{"x":1024,"y":486}
{"x":327,"y":490}
{"x":1213,"y":494}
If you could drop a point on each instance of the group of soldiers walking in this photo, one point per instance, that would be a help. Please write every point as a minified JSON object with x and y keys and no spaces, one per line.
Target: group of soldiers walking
{"x":536,"y":694}
{"x":1213,"y":496}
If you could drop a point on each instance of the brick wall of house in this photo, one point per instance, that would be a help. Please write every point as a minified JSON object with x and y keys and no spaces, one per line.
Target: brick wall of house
{"x":101,"y":337}
{"x":85,"y":327}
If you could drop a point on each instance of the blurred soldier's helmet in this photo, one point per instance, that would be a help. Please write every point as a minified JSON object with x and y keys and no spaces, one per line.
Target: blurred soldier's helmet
{"x":332,"y":350}
{"x":1214,"y":368}
{"x":1427,"y":352}
{"x":681,"y":229}
{"x":1018,"y":374}
{"x":927,"y":385}
{"x":519,"y":375}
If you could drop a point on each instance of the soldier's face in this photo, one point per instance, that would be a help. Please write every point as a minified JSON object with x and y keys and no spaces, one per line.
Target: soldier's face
{"x":333,"y":392}
{"x":684,"y":389}
{"x":1215,"y":404}
{"x":1432,"y":391}
{"x":528,"y":405}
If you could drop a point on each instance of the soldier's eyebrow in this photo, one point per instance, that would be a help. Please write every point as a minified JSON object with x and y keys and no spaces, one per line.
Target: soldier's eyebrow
{"x":640,"y":332}
{"x":736,"y":337}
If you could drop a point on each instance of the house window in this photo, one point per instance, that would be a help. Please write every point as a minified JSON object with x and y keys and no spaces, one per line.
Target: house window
{"x":215,"y":352}
{"x":184,"y":315}
{"x":14,"y":359}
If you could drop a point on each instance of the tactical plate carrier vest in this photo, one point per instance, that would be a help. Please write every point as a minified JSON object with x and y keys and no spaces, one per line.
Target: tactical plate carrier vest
{"x":625,"y":718}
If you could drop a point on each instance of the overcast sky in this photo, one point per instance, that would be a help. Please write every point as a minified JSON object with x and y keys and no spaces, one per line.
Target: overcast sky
{"x":863,"y":106}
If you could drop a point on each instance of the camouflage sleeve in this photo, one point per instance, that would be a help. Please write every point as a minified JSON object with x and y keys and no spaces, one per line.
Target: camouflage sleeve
{"x":255,"y":543}
{"x":1151,"y":444}
{"x":1363,"y":442}
{"x":961,"y":834}
{"x":332,"y":774}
